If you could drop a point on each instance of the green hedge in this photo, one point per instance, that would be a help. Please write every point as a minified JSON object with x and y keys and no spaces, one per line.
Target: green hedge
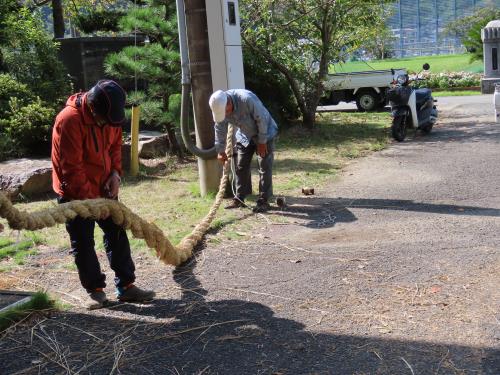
{"x":25,"y":121}
{"x":449,"y":80}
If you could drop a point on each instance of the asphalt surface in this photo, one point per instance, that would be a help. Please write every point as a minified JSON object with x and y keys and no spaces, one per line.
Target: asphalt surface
{"x":392,"y":269}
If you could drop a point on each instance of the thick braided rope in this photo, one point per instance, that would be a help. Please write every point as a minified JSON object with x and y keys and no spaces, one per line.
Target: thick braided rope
{"x":122,"y":216}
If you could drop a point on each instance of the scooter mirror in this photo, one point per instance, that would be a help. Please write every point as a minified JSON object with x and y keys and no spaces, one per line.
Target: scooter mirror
{"x":426,"y":66}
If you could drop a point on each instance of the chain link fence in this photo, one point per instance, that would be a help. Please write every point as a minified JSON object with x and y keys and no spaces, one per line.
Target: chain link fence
{"x":418,"y":25}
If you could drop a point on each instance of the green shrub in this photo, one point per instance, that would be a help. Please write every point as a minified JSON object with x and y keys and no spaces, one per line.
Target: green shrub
{"x":11,"y":88}
{"x":8,"y":147}
{"x":31,"y":57}
{"x":448,"y":80}
{"x":98,"y":20}
{"x":259,"y":77}
{"x":29,"y":126}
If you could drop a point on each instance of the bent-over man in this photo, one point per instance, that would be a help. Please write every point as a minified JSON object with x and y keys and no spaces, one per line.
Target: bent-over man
{"x":256,"y":132}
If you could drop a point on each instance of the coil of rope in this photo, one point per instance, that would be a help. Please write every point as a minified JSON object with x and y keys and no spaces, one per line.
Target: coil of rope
{"x":121,"y":215}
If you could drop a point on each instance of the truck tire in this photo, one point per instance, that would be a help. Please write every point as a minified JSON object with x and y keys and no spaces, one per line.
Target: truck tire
{"x":367,"y":100}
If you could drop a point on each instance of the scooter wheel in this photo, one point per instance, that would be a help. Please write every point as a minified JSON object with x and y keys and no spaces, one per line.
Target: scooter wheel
{"x":398,"y":128}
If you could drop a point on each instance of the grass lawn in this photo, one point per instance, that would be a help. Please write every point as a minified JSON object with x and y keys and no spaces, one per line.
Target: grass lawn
{"x":439,"y":63}
{"x":455,"y":93}
{"x":20,"y":249}
{"x":39,"y":302}
{"x":168,"y":194}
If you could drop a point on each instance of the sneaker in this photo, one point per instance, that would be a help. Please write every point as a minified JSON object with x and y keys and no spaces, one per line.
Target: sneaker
{"x":235,"y":203}
{"x":135,"y":294}
{"x":261,"y":206}
{"x":96,"y":299}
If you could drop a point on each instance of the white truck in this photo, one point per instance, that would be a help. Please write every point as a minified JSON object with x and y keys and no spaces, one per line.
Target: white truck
{"x":367,"y":88}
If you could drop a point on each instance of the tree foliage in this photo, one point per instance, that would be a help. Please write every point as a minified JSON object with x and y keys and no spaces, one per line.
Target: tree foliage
{"x":30,"y":55}
{"x":301,"y":38}
{"x":87,"y":16}
{"x":380,"y":45}
{"x":33,"y":83}
{"x":259,"y":77}
{"x":468,"y":29}
{"x":98,"y":20}
{"x":157,"y":63}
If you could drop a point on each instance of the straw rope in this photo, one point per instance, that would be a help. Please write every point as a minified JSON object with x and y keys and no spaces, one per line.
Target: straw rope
{"x":121,"y":215}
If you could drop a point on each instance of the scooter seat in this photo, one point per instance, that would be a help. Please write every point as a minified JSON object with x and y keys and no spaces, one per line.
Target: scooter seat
{"x":422,"y":95}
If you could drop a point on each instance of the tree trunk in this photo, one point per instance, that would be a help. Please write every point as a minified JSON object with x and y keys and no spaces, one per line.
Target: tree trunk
{"x":309,"y":118}
{"x":176,"y":149}
{"x":58,"y":18}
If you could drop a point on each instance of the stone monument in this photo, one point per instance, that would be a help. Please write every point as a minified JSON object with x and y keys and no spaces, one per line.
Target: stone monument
{"x":490,"y":36}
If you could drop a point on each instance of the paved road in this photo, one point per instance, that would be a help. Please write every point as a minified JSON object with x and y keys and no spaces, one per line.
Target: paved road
{"x":447,"y":103}
{"x":417,"y":231}
{"x":392,"y":269}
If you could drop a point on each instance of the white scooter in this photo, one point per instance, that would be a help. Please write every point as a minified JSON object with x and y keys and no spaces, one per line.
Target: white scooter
{"x":410,"y":107}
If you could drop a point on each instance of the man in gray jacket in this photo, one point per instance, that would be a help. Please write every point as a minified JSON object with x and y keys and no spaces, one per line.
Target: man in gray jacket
{"x":256,"y":131}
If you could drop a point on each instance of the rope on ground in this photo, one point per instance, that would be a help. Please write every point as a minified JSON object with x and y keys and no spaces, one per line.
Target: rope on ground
{"x":121,"y":215}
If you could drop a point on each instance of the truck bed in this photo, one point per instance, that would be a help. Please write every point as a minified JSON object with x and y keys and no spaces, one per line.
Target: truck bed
{"x":354,"y":80}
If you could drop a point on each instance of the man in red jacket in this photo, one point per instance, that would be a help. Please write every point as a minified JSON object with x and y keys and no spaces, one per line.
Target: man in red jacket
{"x":86,"y":164}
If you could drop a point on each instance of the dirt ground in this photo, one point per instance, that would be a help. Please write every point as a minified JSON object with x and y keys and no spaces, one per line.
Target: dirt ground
{"x":393,"y":269}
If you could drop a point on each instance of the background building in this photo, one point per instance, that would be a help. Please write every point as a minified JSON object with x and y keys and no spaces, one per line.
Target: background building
{"x":418,"y":25}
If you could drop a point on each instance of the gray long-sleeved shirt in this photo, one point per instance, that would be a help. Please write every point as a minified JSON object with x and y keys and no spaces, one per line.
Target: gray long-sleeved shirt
{"x":252,"y":120}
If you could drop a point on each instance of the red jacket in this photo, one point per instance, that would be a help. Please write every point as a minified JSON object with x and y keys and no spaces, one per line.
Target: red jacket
{"x":83,"y":154}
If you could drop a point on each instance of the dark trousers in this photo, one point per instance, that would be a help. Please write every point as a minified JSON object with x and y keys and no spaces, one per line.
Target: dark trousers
{"x":243,"y":174}
{"x":81,"y":234}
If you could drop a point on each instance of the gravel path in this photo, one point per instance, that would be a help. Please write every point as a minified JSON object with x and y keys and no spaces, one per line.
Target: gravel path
{"x":392,"y":269}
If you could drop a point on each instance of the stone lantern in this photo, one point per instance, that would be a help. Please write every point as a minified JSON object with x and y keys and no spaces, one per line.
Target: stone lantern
{"x":490,"y":36}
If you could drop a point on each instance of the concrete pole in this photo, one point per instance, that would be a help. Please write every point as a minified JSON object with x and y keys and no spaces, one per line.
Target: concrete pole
{"x":201,"y":84}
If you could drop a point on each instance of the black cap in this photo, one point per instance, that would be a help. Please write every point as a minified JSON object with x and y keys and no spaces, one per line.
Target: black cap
{"x":108,"y":100}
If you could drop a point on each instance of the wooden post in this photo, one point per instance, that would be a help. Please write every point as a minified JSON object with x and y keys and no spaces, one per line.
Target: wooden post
{"x":134,"y":146}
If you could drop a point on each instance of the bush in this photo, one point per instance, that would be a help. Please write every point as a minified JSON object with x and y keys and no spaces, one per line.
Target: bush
{"x":29,"y":126}
{"x":259,"y":77}
{"x":449,"y":80}
{"x":98,"y":20}
{"x":8,"y":147}
{"x":30,"y":56}
{"x":11,"y":88}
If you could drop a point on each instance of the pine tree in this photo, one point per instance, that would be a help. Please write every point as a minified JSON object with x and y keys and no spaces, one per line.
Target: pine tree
{"x":157,"y":63}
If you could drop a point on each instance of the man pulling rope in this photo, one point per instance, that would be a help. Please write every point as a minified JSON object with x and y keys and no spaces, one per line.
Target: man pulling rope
{"x":86,"y":169}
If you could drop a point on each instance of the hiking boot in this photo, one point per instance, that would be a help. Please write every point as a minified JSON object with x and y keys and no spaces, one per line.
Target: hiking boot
{"x":262,"y":205}
{"x":235,"y":203}
{"x":96,"y":299}
{"x":135,"y":294}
